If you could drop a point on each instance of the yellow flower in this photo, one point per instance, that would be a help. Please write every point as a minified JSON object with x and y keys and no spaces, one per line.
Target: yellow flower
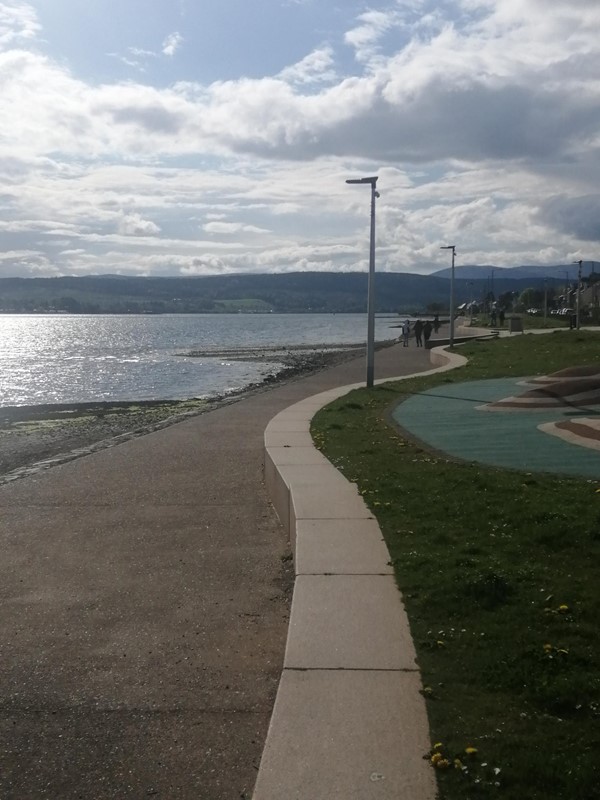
{"x":443,"y":763}
{"x":563,"y":608}
{"x":547,"y":648}
{"x":437,"y":745}
{"x":470,"y":751}
{"x":435,"y":758}
{"x":458,"y":763}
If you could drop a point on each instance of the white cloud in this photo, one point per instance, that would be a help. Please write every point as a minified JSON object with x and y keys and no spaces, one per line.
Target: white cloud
{"x":134,"y":225}
{"x":470,"y":94}
{"x":232,"y":227}
{"x":482,"y":124}
{"x":366,"y":36}
{"x":18,"y":23}
{"x":12,"y":255}
{"x":172,"y":44}
{"x":316,"y":67}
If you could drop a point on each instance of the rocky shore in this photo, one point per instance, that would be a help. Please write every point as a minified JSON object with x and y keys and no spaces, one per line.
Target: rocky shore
{"x":36,"y":437}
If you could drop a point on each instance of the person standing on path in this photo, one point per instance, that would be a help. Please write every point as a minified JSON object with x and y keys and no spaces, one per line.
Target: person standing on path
{"x":405,"y":332}
{"x":418,"y":328}
{"x":427,"y":328}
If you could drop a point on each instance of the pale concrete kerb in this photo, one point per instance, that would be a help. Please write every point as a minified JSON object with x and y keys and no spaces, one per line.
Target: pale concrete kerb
{"x":341,"y":547}
{"x":349,"y":721}
{"x":445,"y":360}
{"x":345,"y":735}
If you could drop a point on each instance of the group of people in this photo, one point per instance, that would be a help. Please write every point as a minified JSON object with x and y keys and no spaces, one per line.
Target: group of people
{"x":496,"y":314}
{"x":422,"y":331}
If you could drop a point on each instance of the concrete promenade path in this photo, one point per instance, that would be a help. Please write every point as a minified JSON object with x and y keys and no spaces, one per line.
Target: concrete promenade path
{"x":145,"y":597}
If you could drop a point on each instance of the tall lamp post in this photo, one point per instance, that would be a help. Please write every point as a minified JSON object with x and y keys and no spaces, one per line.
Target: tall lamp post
{"x":453,"y":248}
{"x":471,"y":302}
{"x":371,"y":284}
{"x":580,"y":262}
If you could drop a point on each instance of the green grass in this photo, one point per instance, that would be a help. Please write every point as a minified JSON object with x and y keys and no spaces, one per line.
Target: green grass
{"x":529,"y":321}
{"x":500,"y":575}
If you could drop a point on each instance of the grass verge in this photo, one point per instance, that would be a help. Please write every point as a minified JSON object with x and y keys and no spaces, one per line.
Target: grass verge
{"x":500,"y":574}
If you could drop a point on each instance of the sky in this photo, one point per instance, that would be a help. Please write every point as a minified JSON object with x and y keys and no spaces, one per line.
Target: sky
{"x":197,"y":137}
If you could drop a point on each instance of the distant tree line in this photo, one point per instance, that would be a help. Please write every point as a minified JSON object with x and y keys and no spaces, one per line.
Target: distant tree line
{"x":300,"y":292}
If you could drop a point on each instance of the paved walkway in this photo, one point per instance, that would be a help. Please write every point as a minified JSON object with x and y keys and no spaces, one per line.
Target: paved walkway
{"x":145,"y":594}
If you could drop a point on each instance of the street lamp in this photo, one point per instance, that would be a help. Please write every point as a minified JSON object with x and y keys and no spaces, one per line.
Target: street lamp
{"x":471,"y":302}
{"x":371,"y":284}
{"x":580,"y":262}
{"x":453,"y":248}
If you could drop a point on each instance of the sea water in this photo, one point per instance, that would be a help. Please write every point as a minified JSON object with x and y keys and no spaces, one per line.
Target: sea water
{"x":87,"y":358}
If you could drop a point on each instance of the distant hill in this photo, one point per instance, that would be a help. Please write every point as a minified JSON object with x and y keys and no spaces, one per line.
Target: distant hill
{"x":297,"y":292}
{"x":557,"y":272}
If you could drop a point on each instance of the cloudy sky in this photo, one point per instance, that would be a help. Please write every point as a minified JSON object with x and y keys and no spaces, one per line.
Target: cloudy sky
{"x":192,"y":137}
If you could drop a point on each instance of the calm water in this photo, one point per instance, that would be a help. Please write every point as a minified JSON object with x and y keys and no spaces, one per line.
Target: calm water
{"x":73,"y":359}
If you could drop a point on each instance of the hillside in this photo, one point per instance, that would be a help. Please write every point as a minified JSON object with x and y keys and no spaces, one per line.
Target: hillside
{"x":535,"y":273}
{"x":297,"y":292}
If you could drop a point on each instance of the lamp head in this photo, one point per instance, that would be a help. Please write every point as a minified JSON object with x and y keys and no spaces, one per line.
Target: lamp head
{"x":372,"y":180}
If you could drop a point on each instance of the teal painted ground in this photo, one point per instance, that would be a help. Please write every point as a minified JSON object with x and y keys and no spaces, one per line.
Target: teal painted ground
{"x":446,"y":418}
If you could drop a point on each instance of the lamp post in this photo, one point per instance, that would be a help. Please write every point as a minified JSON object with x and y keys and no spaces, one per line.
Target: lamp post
{"x":371,"y":284}
{"x":577,"y":301}
{"x":453,"y":248}
{"x":471,"y":302}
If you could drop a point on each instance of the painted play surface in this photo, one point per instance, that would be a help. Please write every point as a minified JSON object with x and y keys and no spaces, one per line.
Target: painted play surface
{"x":468,"y":421}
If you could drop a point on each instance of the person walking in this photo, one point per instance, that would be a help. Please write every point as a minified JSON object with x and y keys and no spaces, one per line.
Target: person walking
{"x":427,"y":328}
{"x":418,"y":328}
{"x":405,"y":332}
{"x":436,"y":323}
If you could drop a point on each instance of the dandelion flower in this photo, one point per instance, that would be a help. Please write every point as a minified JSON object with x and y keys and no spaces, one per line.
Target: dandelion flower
{"x":458,"y":763}
{"x":443,"y":763}
{"x":435,"y":758}
{"x":470,"y":751}
{"x":438,"y":745}
{"x":563,"y":608}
